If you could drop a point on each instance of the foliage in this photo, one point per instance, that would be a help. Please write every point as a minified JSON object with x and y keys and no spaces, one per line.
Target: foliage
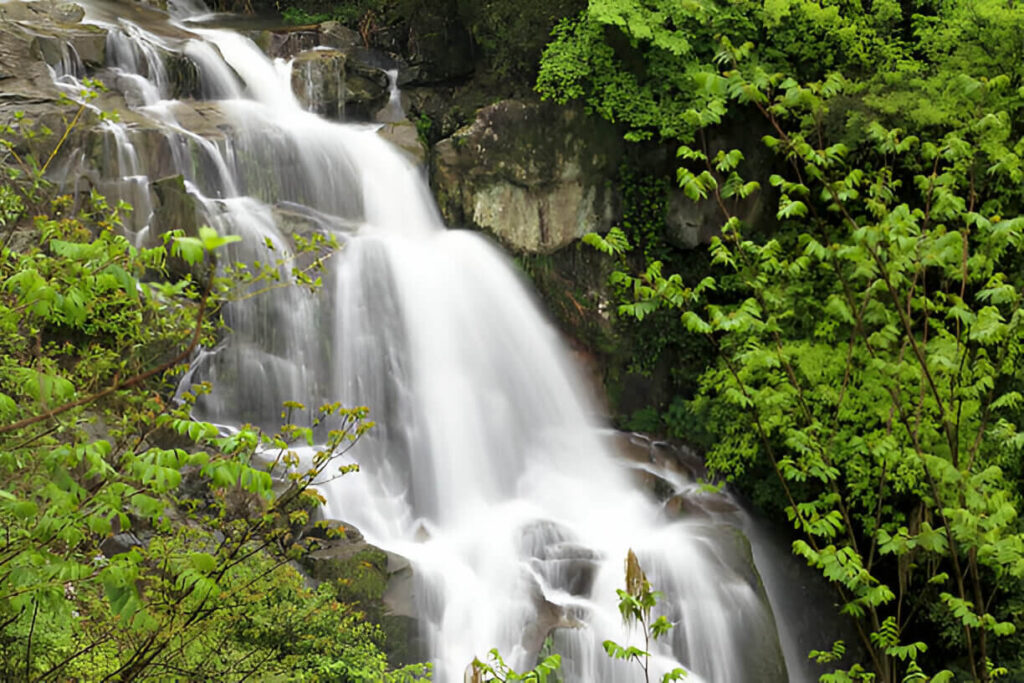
{"x":108,"y":489}
{"x":498,"y":671}
{"x":869,"y":349}
{"x":643,"y":212}
{"x":648,"y":65}
{"x":349,"y":13}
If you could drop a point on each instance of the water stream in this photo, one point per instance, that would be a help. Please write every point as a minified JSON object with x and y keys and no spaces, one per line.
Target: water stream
{"x":487,"y":470}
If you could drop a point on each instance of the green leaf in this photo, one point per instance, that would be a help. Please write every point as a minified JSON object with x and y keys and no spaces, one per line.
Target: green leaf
{"x":694,"y":323}
{"x":211,"y":240}
{"x":190,"y":249}
{"x":8,"y":407}
{"x":203,"y":562}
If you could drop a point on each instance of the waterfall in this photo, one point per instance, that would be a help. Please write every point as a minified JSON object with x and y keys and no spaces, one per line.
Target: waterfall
{"x":486,"y":469}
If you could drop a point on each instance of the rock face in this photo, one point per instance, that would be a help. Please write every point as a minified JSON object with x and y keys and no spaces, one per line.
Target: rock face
{"x":531,"y":174}
{"x":24,"y":57}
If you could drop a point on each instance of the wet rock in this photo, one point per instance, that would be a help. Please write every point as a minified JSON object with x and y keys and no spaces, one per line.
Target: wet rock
{"x":68,"y":13}
{"x":27,"y":79}
{"x":71,"y":51}
{"x":90,"y":42}
{"x":318,"y":80}
{"x":405,"y":641}
{"x":366,"y":84}
{"x":555,"y":554}
{"x":405,"y":136}
{"x":531,"y":174}
{"x":286,"y":43}
{"x":569,"y":566}
{"x":157,"y":145}
{"x":340,"y":85}
{"x":175,"y":208}
{"x":299,"y":219}
{"x":631,"y":446}
{"x":183,"y":75}
{"x":548,"y":617}
{"x":694,"y":501}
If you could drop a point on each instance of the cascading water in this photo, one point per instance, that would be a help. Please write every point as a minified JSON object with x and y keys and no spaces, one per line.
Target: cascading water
{"x":485,"y":470}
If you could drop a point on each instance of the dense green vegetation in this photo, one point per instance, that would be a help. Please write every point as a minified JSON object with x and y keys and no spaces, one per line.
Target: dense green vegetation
{"x":868,"y":333}
{"x":138,"y":543}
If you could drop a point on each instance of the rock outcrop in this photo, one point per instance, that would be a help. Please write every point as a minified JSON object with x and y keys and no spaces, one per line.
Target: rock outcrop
{"x":531,"y":174}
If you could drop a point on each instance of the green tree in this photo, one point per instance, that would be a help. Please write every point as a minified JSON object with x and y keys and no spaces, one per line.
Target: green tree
{"x":869,"y":348}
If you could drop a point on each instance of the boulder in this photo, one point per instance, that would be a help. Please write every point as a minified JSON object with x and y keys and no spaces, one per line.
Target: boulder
{"x":80,"y":46}
{"x":406,"y":641}
{"x":183,"y":74}
{"x":299,"y":219}
{"x":761,"y":658}
{"x":117,"y":544}
{"x":694,"y":501}
{"x":382,"y":584}
{"x":531,"y":174}
{"x":155,"y":144}
{"x":366,"y":80}
{"x":68,"y":13}
{"x":335,"y":35}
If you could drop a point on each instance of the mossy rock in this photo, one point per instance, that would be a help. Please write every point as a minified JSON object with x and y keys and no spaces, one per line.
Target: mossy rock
{"x":358,"y":569}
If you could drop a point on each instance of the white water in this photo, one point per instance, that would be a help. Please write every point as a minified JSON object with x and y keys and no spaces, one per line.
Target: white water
{"x":485,"y":470}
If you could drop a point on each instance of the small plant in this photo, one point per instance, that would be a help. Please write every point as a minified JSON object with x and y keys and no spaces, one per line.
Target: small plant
{"x":423,"y":125}
{"x":499,"y":671}
{"x":635,"y":605}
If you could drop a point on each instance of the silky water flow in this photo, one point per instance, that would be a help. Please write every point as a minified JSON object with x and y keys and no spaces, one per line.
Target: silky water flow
{"x":486,"y":470}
